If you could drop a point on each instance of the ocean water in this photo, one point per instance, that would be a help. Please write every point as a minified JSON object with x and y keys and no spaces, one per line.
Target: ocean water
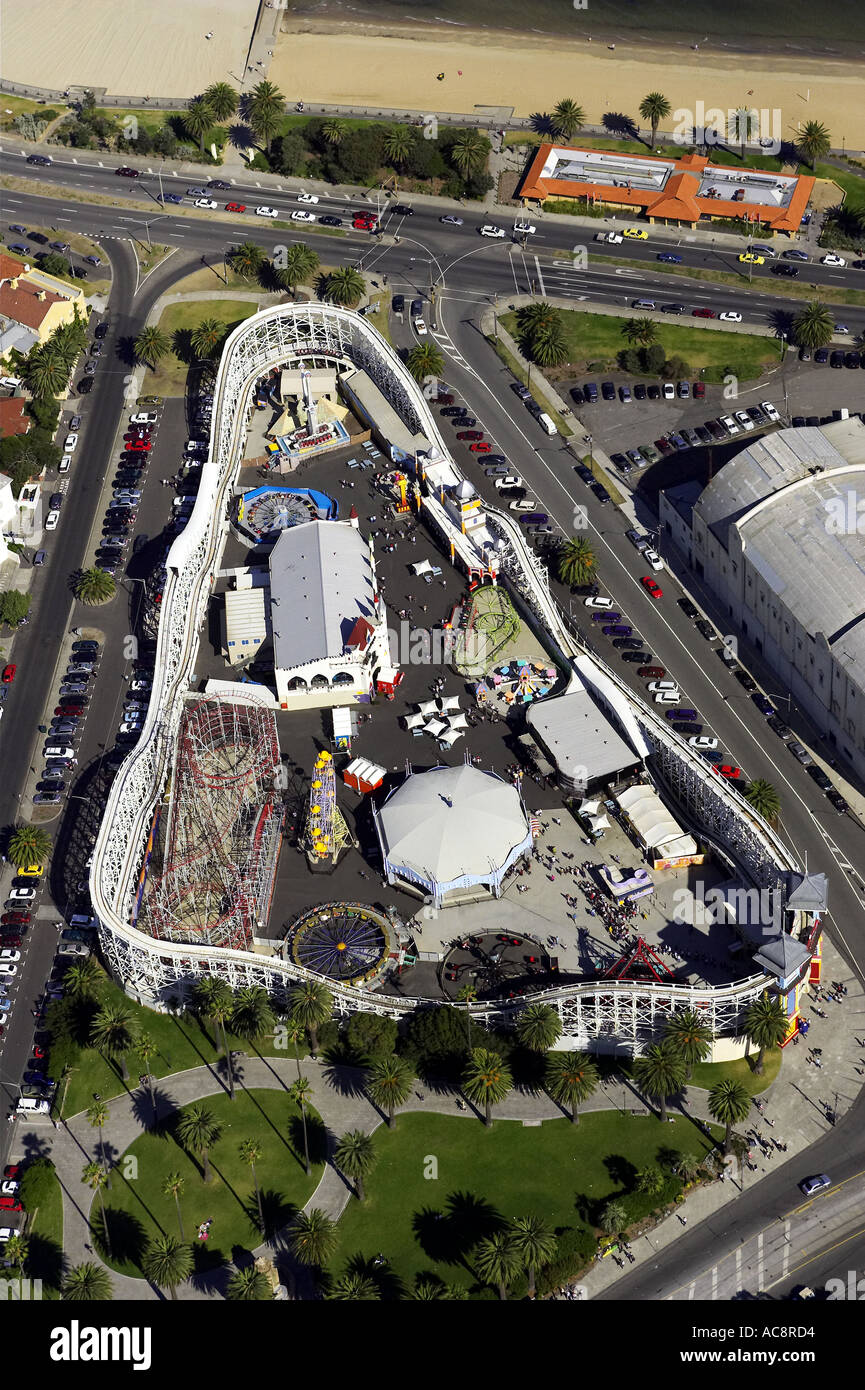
{"x":776,"y":26}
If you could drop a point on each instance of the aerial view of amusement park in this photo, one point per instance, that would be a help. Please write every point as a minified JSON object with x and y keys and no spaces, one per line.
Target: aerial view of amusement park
{"x":434,"y":838}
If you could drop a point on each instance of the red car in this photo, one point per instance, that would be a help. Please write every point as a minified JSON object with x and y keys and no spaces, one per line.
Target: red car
{"x":699,"y":390}
{"x":470,"y":434}
{"x":365,"y":222}
{"x":138,"y":446}
{"x":13,"y":1171}
{"x":235,"y":207}
{"x":482,"y":448}
{"x":8,"y":942}
{"x":38,"y":1053}
{"x":726,"y":770}
{"x":444,"y":398}
{"x":18,"y":917}
{"x":68,"y":711}
{"x":8,"y":674}
{"x":10,"y":1204}
{"x":654,"y":589}
{"x":703,"y":314}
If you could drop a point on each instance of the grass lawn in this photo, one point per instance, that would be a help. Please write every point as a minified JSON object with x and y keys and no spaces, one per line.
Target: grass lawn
{"x":46,"y":1243}
{"x":137,"y":1210}
{"x":556,"y":1171}
{"x":10,"y":107}
{"x":182,"y":1043}
{"x":597,"y":337}
{"x":708,"y":1074}
{"x":853,"y":185}
{"x":171,"y":375}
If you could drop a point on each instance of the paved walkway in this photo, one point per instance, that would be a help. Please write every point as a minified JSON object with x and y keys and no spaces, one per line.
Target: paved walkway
{"x":795,"y":1114}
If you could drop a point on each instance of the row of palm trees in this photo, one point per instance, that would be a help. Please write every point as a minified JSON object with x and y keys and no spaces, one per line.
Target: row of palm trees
{"x":468,"y":152}
{"x":153,"y":343}
{"x":264,"y":109}
{"x":48,"y":366}
{"x":812,"y":142}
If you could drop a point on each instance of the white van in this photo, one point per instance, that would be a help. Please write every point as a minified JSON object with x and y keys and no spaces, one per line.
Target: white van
{"x":28,"y":1105}
{"x":547,"y":423}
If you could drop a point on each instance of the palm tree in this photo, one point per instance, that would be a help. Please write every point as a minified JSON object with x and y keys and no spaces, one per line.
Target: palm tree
{"x":300,"y":1091}
{"x":660,"y":1072}
{"x":16,"y":1251}
{"x":729,"y":1103}
{"x":425,"y":360}
{"x":295,"y":1033}
{"x":355,"y":1288}
{"x":614,"y":1217}
{"x":266,"y":110}
{"x":97,"y":1116}
{"x":312,"y":1236}
{"x":335,"y":130}
{"x":45,"y":373}
{"x":197,"y":120}
{"x":539,"y":1027}
{"x":486,"y":1080}
{"x":654,"y":108}
{"x":94,"y":586}
{"x":764,"y":798}
{"x":640,"y":331}
{"x":767,"y":1025}
{"x":151,"y":345}
{"x":498,"y":1261}
{"x":246,"y":260}
{"x":28,"y":844}
{"x":213,"y":998}
{"x":535,"y":1244}
{"x":96,"y":1177}
{"x":568,"y":116}
{"x":113,"y":1033}
{"x":550,"y":348}
{"x":571,"y":1077}
{"x":311,"y":1004}
{"x":222,"y":100}
{"x":252,"y":1015}
{"x":355,"y":1155}
{"x":87,"y":1283}
{"x":469,"y":152}
{"x":650,"y":1180}
{"x":690,"y":1036}
{"x":206,"y":338}
{"x":425,"y":1291}
{"x":577,"y":561}
{"x":814,"y":325}
{"x":388,"y":1085}
{"x":688,"y":1168}
{"x":82,"y":980}
{"x":166,"y":1262}
{"x":198,"y":1129}
{"x":344,"y":286}
{"x":398,"y":144}
{"x":814,"y":141}
{"x":172,"y":1186}
{"x":250,"y":1151}
{"x":535,"y":318}
{"x":249,"y":1285}
{"x":299,"y":263}
{"x":146,"y":1048}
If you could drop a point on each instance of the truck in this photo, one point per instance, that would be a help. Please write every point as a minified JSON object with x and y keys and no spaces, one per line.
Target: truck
{"x":613,"y":237}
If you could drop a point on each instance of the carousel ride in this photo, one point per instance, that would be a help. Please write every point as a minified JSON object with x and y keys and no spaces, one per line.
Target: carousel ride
{"x":346,"y":942}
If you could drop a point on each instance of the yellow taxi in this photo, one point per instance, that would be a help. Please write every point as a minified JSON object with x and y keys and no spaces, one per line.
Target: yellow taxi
{"x":32,"y":871}
{"x":637,"y":233}
{"x":749,"y":258}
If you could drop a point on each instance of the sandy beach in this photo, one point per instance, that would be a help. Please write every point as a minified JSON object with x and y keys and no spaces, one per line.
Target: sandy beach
{"x":352,"y":64}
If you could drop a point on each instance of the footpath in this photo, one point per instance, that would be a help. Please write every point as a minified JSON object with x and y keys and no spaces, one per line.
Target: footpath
{"x":800,"y":1106}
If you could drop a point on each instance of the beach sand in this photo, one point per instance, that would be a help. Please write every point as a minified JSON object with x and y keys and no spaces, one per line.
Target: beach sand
{"x":372,"y":66}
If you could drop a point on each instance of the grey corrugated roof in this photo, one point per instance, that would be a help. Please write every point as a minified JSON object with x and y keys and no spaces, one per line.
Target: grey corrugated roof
{"x":320,"y":584}
{"x":773,"y":461}
{"x":814,"y":565}
{"x":578,"y":736}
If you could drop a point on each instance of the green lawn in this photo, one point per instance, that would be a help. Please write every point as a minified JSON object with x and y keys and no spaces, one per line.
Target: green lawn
{"x":171,"y":375}
{"x":182,"y":1042}
{"x":45,"y":1260}
{"x":556,"y":1171}
{"x":598,"y":337}
{"x":853,"y":185}
{"x":137,"y":1210}
{"x":708,"y":1074}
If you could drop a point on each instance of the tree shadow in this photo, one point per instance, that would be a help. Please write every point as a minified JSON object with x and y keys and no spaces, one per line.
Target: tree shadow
{"x":127,"y":1238}
{"x":46,"y":1261}
{"x":781,"y":321}
{"x":209,"y":1268}
{"x":125,"y":350}
{"x":542,"y":122}
{"x":317,"y":1138}
{"x":389,"y":1285}
{"x":181,"y":346}
{"x":275,"y":1208}
{"x":621,"y":1171}
{"x":241,"y":135}
{"x":622,"y":126}
{"x":345,"y":1080}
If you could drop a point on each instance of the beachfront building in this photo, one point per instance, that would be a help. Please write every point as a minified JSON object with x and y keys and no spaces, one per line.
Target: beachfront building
{"x":33,"y":305}
{"x":681,"y":192}
{"x":779,"y":538}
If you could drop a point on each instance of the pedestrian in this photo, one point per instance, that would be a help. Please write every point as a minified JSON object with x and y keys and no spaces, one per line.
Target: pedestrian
{"x":683,"y":1219}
